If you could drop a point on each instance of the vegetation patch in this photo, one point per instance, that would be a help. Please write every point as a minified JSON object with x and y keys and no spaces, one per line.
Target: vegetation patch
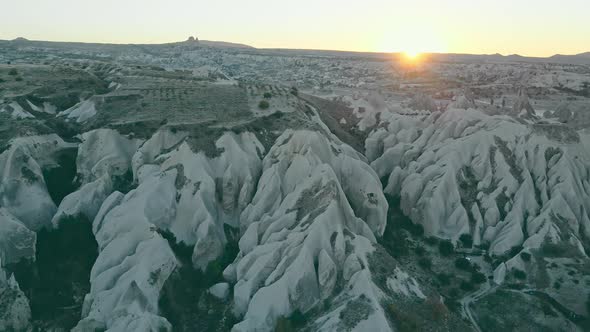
{"x":184,"y":299}
{"x":58,"y":280}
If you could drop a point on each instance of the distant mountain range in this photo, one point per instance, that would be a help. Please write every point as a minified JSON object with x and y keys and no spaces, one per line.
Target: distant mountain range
{"x":576,"y":59}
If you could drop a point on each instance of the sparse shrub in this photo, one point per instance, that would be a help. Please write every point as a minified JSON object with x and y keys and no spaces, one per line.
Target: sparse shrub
{"x":463,"y":263}
{"x":446,"y":248}
{"x":263,"y":105}
{"x":439,"y":310}
{"x":519,"y":274}
{"x":454,"y":293}
{"x":1,"y":80}
{"x":294,"y":91}
{"x":466,"y":286}
{"x":59,"y":276}
{"x":404,"y":321}
{"x":283,"y":325}
{"x":420,"y":251}
{"x":443,"y":278}
{"x":557,"y":285}
{"x":484,"y":246}
{"x":431,"y":240}
{"x":18,"y":79}
{"x":417,"y":230}
{"x":487,"y":259}
{"x":525,"y":256}
{"x":466,"y":240}
{"x":514,"y":251}
{"x":267,"y":95}
{"x":478,"y":278}
{"x":425,"y":263}
{"x":297,"y":319}
{"x":12,"y":72}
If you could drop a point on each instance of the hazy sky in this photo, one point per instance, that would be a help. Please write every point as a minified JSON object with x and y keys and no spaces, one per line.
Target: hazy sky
{"x":527,"y":27}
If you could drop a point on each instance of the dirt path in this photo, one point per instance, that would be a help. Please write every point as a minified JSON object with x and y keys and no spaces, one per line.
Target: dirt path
{"x":472,"y":297}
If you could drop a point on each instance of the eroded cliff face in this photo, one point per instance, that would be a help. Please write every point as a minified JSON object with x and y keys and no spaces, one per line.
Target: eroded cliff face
{"x":505,"y":183}
{"x":276,"y":223}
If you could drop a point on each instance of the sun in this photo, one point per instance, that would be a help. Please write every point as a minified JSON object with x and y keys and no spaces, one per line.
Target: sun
{"x":411,"y":55}
{"x":412,"y":41}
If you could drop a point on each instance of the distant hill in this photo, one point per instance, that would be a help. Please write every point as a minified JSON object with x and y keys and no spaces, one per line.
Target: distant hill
{"x":577,"y":59}
{"x":56,"y":44}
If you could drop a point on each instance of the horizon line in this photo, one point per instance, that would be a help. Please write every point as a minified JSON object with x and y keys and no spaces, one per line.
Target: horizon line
{"x":24,"y":39}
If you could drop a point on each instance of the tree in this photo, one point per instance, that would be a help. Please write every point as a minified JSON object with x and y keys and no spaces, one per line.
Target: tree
{"x":446,"y":248}
{"x":466,"y":286}
{"x":466,"y":240}
{"x":267,"y":95}
{"x":420,"y":251}
{"x":463,"y":264}
{"x":519,"y":274}
{"x":445,"y":279}
{"x":12,"y":72}
{"x":478,"y":278}
{"x":425,"y":263}
{"x":263,"y":105}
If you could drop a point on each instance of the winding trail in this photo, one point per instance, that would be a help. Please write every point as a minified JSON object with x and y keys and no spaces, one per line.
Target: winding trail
{"x":472,"y":297}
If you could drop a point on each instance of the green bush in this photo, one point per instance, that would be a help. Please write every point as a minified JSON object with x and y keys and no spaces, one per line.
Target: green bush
{"x":525,"y":256}
{"x":267,"y":95}
{"x":443,"y":278}
{"x":446,"y":248}
{"x":420,"y":251}
{"x":425,"y":263}
{"x":263,"y":105}
{"x":466,"y":286}
{"x":417,"y":230}
{"x":466,"y":240}
{"x":12,"y":72}
{"x":463,"y":263}
{"x":431,"y":240}
{"x":478,"y":278}
{"x":18,"y":79}
{"x":519,"y":274}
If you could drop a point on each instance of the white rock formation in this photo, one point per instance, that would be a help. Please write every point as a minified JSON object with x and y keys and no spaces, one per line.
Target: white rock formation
{"x":504,"y":182}
{"x":179,"y":190}
{"x":81,"y":112}
{"x":15,"y":314}
{"x":220,"y":290}
{"x":16,"y":111}
{"x":211,"y":192}
{"x":22,"y":188}
{"x":85,"y":201}
{"x":16,"y":240}
{"x":301,"y":213}
{"x":104,"y":151}
{"x":134,"y":260}
{"x":103,"y":155}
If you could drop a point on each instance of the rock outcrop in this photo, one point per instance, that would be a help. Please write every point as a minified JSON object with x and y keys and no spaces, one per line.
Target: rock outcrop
{"x":505,"y":183}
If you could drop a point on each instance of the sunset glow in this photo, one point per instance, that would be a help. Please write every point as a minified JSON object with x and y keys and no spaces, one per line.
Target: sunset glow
{"x":423,"y":26}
